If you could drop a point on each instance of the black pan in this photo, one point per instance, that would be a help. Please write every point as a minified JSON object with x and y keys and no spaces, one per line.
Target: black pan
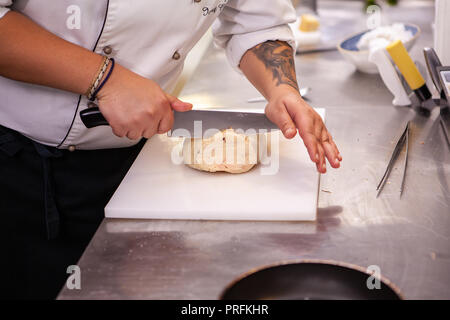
{"x":309,"y":280}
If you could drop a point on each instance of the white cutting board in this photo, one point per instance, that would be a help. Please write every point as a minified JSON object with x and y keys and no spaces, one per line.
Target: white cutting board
{"x":156,"y":188}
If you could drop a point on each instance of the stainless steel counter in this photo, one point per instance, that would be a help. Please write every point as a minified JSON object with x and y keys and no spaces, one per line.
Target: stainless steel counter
{"x":408,"y":238}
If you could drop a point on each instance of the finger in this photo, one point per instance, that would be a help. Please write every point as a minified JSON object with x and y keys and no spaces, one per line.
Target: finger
{"x":331,"y":154}
{"x":177,"y":104}
{"x":321,"y":165}
{"x":282,"y":119}
{"x":151,"y":130}
{"x":330,"y":151}
{"x":306,"y":130}
{"x":310,"y":142}
{"x":166,"y":122}
{"x":335,"y":147}
{"x":319,"y":129}
{"x":119,"y":131}
{"x":133,"y":135}
{"x":336,"y":150}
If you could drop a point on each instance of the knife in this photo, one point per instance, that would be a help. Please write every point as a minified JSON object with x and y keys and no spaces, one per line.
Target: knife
{"x":412,"y":75}
{"x":197,"y":123}
{"x":433,"y":62}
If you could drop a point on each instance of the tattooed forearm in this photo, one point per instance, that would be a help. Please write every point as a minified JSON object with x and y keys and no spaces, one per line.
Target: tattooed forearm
{"x":277,"y":56}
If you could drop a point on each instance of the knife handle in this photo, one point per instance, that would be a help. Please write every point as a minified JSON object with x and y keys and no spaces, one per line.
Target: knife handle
{"x":92,"y":117}
{"x":405,"y":64}
{"x":409,"y":70}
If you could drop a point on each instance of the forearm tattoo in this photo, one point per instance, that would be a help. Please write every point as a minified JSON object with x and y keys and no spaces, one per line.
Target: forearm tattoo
{"x":278,"y":57}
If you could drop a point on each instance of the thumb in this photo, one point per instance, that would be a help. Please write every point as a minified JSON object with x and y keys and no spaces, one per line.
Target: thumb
{"x":178,"y":105}
{"x":282,"y":119}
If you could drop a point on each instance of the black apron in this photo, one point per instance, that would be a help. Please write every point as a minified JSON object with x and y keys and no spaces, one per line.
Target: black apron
{"x":51,"y":203}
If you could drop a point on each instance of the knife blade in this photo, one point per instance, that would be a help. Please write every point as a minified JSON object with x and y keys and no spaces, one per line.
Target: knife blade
{"x":205,"y":123}
{"x":197,"y":123}
{"x":433,"y":62}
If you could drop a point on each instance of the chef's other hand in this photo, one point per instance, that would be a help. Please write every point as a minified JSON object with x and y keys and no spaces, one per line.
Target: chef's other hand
{"x":290,"y":112}
{"x":137,"y":107}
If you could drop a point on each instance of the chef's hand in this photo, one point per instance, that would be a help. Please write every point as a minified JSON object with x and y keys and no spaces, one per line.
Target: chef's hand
{"x":137,"y":107}
{"x":290,"y":112}
{"x":270,"y":67}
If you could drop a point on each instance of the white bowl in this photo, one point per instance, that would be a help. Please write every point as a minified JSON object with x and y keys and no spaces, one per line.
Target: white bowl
{"x":360,"y":58}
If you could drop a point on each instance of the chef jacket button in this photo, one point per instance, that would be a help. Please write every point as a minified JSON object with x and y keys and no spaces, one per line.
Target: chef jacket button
{"x":71,"y":148}
{"x":107,"y":50}
{"x":176,"y":56}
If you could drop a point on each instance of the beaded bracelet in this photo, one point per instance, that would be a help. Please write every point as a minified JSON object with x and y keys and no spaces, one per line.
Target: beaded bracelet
{"x":98,"y":77}
{"x":94,"y":95}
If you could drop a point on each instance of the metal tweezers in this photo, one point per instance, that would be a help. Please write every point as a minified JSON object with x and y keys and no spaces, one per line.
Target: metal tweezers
{"x":404,"y":138}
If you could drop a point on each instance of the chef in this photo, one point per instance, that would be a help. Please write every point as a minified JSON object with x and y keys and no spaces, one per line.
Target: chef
{"x":56,"y":176}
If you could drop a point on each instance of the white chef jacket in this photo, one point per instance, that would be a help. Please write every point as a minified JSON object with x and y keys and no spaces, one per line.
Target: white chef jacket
{"x":149,"y":37}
